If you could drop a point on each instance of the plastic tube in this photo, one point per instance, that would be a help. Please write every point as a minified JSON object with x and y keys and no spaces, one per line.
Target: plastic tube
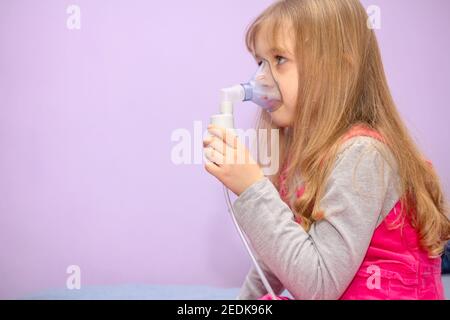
{"x":247,"y":246}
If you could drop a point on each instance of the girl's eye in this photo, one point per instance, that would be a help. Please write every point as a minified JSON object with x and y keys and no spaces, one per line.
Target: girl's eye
{"x":280,"y":57}
{"x":277,"y":58}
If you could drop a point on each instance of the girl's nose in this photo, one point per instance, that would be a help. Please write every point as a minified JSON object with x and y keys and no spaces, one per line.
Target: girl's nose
{"x":263,"y":81}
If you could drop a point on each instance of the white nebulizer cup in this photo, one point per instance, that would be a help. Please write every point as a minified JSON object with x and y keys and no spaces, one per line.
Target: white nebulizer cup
{"x":264,"y":91}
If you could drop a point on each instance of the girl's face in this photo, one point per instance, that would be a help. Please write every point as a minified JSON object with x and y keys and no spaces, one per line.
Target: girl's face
{"x":284,"y":69}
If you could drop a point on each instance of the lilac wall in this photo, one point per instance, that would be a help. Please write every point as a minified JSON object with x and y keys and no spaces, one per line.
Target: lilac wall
{"x":86,"y":118}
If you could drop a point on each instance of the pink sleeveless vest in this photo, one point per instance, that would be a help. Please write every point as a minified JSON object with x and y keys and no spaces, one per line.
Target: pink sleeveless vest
{"x":395,"y":266}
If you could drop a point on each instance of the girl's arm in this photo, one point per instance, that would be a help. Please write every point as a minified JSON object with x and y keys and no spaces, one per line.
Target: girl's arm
{"x":321,"y":264}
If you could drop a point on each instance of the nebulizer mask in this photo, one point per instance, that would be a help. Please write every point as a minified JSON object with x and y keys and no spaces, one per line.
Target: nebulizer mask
{"x":263,"y":90}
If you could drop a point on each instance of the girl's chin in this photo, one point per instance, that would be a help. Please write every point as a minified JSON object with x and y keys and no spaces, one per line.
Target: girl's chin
{"x":280,"y":122}
{"x":280,"y":118}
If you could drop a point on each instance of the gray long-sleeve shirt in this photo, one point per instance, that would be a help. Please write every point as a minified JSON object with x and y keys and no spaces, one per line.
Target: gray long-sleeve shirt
{"x":320,"y":264}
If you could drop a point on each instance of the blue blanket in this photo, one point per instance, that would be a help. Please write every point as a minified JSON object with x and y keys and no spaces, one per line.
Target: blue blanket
{"x":156,"y":292}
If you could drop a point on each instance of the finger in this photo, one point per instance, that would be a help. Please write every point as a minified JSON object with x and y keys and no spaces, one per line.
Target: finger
{"x":207,"y":140}
{"x":214,"y":156}
{"x":228,"y":153}
{"x":218,"y":145}
{"x":224,"y":149}
{"x":231,"y":155}
{"x":224,"y":134}
{"x":212,"y":169}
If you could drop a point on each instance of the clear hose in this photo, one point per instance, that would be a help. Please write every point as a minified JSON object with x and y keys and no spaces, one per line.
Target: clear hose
{"x":247,"y":247}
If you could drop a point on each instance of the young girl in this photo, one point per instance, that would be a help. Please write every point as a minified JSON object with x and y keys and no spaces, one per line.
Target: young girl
{"x":356,"y":211}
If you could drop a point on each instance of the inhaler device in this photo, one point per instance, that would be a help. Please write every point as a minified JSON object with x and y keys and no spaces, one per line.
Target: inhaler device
{"x":264,"y":91}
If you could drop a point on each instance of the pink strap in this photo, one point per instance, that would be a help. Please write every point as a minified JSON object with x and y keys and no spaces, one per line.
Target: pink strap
{"x":361,"y":130}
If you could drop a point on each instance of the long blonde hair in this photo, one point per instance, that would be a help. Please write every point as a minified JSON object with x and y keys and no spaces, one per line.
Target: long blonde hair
{"x":342,"y":79}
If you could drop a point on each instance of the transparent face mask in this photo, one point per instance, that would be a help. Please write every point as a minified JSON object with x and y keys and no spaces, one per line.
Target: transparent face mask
{"x":263,"y":89}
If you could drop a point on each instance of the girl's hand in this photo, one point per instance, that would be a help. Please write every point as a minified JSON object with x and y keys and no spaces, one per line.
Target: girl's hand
{"x":229,"y":160}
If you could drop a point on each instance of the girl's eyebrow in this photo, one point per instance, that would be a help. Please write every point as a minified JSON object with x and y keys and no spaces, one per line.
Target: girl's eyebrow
{"x":278,"y":50}
{"x":274,"y":50}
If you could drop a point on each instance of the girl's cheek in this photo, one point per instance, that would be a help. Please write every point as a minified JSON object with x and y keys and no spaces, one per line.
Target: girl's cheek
{"x":289,"y":88}
{"x":290,"y":97}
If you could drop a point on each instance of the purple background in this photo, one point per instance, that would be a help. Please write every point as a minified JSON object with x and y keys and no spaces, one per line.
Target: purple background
{"x":86,"y":119}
